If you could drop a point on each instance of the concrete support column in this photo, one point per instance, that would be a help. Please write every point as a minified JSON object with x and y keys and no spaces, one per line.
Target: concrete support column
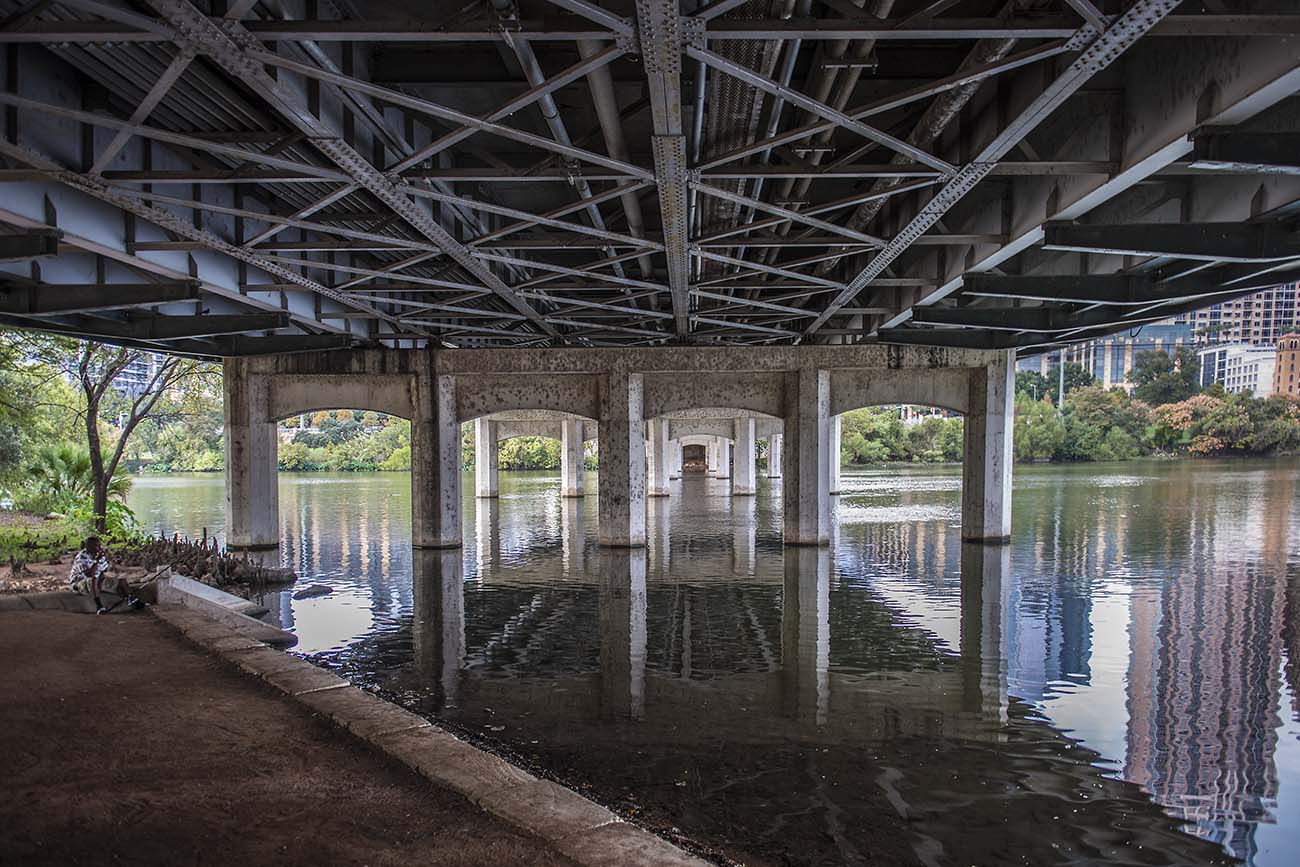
{"x":724,"y":458}
{"x":435,"y":462}
{"x":485,"y":458}
{"x":572,"y":458}
{"x":742,"y":474}
{"x":252,"y":498}
{"x":622,"y":461}
{"x":987,"y":454}
{"x":711,"y":457}
{"x":674,"y":459}
{"x":659,"y":460}
{"x":774,"y":456}
{"x":805,"y":499}
{"x":833,"y":456}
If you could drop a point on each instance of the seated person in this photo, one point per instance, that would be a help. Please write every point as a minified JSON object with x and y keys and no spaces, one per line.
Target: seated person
{"x":90,"y":574}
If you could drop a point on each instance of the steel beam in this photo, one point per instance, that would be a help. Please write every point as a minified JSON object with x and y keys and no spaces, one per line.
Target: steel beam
{"x":229,"y":47}
{"x":1211,"y":242}
{"x":28,"y":245}
{"x":660,"y":30}
{"x":1123,"y":33}
{"x":1122,"y":290}
{"x":1274,"y":153}
{"x":47,"y":299}
{"x":153,"y":327}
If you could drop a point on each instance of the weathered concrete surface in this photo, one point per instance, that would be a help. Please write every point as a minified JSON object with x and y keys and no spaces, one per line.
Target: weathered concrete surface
{"x":806,"y":501}
{"x":794,"y":392}
{"x":485,"y":458}
{"x":572,"y":458}
{"x":622,"y":461}
{"x":743,"y":480}
{"x":658,"y":458}
{"x":435,"y":462}
{"x":833,"y":456}
{"x":987,"y":454}
{"x":252,"y":496}
{"x":221,"y":606}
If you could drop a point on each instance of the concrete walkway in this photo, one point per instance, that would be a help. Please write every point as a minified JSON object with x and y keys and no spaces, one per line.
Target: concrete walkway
{"x":124,"y":743}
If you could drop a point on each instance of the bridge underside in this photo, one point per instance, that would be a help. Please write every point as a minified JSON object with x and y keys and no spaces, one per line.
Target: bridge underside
{"x":237,"y":178}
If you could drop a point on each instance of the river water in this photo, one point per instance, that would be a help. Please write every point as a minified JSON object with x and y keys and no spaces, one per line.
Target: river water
{"x":1121,"y":684}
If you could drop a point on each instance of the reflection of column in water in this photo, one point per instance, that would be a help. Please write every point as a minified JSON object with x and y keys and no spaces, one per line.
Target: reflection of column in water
{"x":657,"y":532}
{"x":487,"y":532}
{"x":744,"y":528}
{"x":984,"y":577}
{"x":806,"y":633}
{"x":573,"y":535}
{"x":438,"y":621}
{"x":622,"y":631}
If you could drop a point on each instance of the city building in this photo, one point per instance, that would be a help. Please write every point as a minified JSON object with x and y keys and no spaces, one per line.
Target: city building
{"x":1259,"y":319}
{"x":135,"y":378}
{"x":1286,"y":366}
{"x":1239,"y":367}
{"x":1110,"y":358}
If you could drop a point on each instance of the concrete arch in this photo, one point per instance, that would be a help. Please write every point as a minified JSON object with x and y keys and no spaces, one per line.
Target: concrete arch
{"x":946,"y":388}
{"x":700,"y":428}
{"x":487,"y":394}
{"x":290,"y":396}
{"x":757,"y":392}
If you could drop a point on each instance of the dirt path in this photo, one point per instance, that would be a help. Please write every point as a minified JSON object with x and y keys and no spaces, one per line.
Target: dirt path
{"x":122,"y":743}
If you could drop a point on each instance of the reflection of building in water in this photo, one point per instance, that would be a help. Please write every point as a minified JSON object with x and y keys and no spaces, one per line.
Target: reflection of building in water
{"x":1204,"y":671}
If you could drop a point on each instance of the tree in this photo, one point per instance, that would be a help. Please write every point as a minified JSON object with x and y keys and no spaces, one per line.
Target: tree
{"x":1039,"y":431}
{"x":95,"y":367}
{"x":1159,"y":379}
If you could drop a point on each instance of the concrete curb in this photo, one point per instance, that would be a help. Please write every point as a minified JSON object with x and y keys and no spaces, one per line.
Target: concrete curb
{"x":237,"y":613}
{"x":575,"y":826}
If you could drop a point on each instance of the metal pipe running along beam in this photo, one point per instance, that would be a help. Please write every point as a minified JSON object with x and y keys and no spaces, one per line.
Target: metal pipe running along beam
{"x":231,"y":48}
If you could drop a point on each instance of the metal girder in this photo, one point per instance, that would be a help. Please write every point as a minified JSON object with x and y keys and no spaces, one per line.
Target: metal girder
{"x":1211,"y":242}
{"x":807,"y":103}
{"x":153,"y":328}
{"x":1043,"y":320}
{"x":962,"y":338}
{"x":1110,"y":44}
{"x":28,"y":245}
{"x":1272,"y":153}
{"x":22,"y":298}
{"x":231,"y":48}
{"x":662,"y":38}
{"x":1118,"y":290}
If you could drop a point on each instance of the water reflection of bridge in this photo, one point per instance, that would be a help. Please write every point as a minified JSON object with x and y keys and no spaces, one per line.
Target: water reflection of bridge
{"x":714,"y":632}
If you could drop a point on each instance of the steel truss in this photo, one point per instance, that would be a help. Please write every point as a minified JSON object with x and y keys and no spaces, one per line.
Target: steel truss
{"x":644,"y":172}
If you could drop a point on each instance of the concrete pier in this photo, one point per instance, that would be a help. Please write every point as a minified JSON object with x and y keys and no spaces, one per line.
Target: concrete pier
{"x":987,"y":454}
{"x":252,"y":497}
{"x":658,"y":458}
{"x":572,"y":458}
{"x":833,"y":455}
{"x":743,"y":476}
{"x":485,"y":458}
{"x":721,"y":397}
{"x":622,"y":461}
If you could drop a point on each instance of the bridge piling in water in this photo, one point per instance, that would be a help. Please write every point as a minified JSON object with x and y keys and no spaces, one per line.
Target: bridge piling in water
{"x":646,"y":403}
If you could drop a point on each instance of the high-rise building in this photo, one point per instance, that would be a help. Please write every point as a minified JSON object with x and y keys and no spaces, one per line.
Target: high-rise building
{"x":137,"y":375}
{"x":1286,"y":369}
{"x":1239,"y":367}
{"x":1110,"y":358}
{"x":1259,"y":319}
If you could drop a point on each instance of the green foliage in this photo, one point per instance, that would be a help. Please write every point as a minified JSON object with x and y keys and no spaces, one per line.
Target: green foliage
{"x":59,"y":479}
{"x":1158,"y":379}
{"x":877,"y":434}
{"x":1039,"y":431}
{"x":529,"y":453}
{"x":1039,"y":386}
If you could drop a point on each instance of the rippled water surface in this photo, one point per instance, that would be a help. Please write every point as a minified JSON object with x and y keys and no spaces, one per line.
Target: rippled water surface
{"x":1121,"y":684}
